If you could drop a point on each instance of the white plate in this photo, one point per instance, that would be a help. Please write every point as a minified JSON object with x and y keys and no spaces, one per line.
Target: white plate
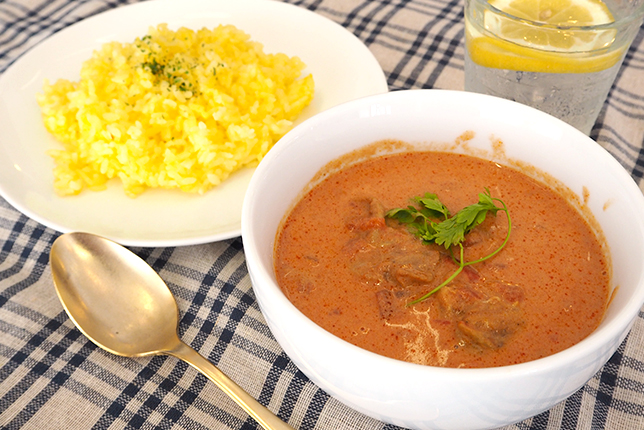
{"x":342,"y":67}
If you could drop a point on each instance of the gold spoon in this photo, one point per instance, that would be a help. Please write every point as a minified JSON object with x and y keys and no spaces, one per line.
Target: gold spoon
{"x":120,"y":303}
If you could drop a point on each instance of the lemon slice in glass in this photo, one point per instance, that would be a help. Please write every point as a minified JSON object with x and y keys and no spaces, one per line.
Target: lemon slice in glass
{"x":550,"y":36}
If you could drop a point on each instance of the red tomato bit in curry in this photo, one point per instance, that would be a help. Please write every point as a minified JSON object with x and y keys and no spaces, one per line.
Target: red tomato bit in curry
{"x":353,"y":271}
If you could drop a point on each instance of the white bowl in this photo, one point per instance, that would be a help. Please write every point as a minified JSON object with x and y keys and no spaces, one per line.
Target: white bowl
{"x":423,"y":397}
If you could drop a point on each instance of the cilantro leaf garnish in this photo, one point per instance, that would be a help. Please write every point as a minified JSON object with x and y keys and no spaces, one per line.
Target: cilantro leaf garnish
{"x":432,"y":223}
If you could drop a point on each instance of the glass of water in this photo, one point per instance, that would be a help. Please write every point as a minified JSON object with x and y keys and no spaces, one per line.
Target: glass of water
{"x":559,"y":56}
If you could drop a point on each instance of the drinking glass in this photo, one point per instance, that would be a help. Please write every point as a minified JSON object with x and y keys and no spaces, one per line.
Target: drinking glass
{"x":564,"y":70}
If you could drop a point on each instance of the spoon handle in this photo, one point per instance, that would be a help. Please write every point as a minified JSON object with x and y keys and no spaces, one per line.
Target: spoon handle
{"x":261,"y":414}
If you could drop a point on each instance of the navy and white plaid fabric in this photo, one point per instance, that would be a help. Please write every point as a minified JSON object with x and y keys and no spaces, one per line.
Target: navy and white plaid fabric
{"x":52,"y":377}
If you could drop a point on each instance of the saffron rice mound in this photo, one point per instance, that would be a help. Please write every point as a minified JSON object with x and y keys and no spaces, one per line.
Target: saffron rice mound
{"x":175,"y":110}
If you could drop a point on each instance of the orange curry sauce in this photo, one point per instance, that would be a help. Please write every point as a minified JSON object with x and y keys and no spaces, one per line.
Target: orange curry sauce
{"x":353,"y":272}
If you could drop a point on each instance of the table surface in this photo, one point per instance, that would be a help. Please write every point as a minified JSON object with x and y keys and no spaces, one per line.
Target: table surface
{"x":52,"y":377}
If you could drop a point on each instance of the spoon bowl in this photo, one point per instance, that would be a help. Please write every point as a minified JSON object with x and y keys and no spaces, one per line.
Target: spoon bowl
{"x":110,"y":305}
{"x":122,"y":305}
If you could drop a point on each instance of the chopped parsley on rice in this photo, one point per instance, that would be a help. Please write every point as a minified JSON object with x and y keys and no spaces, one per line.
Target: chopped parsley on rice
{"x":176,"y":110}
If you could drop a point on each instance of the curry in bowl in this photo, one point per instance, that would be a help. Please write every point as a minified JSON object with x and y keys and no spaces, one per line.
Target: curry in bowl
{"x":443,"y":259}
{"x":529,"y":269}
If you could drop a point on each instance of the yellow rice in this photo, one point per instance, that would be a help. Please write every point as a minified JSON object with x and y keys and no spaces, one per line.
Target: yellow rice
{"x":179,"y":109}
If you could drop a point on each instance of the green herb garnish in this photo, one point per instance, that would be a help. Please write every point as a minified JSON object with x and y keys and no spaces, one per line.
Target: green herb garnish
{"x":154,"y":67}
{"x":432,"y":222}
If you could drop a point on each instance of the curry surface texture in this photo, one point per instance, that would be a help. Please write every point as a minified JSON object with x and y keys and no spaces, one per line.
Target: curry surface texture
{"x":353,"y":272}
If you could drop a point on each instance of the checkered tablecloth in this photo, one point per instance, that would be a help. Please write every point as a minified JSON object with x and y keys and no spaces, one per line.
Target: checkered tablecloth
{"x":52,"y":377}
